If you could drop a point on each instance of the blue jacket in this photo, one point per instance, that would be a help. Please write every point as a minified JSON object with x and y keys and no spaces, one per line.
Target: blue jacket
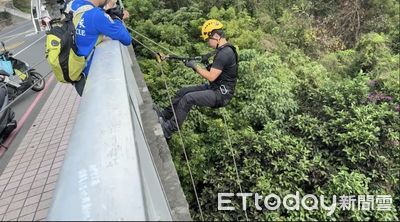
{"x":93,"y":23}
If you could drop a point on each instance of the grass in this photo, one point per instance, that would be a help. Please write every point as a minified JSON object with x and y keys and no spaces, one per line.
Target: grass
{"x":23,"y":5}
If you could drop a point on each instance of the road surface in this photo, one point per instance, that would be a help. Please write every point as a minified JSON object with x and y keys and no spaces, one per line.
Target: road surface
{"x":27,"y":46}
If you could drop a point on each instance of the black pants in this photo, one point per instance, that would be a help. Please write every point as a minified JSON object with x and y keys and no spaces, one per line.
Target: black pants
{"x":183,"y":103}
{"x":80,"y":85}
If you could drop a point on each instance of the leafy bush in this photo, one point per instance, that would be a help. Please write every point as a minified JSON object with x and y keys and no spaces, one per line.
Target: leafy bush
{"x":308,"y":115}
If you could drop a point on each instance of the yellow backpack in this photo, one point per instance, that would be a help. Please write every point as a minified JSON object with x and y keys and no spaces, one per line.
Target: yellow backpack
{"x":61,"y":48}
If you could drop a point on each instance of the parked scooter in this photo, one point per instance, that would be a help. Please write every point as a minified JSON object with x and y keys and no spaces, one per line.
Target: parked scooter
{"x":20,"y":76}
{"x":7,"y":122}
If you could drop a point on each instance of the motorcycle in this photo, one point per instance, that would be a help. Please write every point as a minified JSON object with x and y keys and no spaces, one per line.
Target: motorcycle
{"x":20,"y":76}
{"x":7,"y":122}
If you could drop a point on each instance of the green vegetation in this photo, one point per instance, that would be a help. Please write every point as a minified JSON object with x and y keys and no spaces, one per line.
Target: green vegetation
{"x":23,"y":5}
{"x":316,"y":108}
{"x":5,"y":19}
{"x":5,"y":16}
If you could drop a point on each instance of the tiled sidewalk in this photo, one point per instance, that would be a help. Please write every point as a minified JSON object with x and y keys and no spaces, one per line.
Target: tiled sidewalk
{"x":27,"y":183}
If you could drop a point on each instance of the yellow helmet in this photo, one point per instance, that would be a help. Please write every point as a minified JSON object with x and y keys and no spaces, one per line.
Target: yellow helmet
{"x":209,"y":26}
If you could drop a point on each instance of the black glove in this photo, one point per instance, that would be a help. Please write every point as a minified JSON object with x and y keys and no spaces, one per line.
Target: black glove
{"x":190,"y":64}
{"x":208,"y":66}
{"x":116,"y":12}
{"x":204,"y":58}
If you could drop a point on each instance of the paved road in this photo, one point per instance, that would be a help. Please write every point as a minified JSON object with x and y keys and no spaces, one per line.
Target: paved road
{"x":21,"y":40}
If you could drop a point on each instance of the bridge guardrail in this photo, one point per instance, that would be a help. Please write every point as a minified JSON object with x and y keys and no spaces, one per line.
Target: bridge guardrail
{"x":108,"y":171}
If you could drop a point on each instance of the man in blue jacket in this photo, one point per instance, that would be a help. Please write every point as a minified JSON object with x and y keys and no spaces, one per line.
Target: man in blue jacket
{"x":93,"y":25}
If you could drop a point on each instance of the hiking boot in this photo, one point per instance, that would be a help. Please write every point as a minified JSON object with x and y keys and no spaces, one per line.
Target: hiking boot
{"x":159,"y":112}
{"x":167,"y":132}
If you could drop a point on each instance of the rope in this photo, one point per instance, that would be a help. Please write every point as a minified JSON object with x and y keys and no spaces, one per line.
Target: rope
{"x":36,"y":64}
{"x":179,"y":131}
{"x":4,"y":84}
{"x":155,"y":43}
{"x":20,"y":95}
{"x":142,"y":44}
{"x":233,"y":157}
{"x":183,"y":144}
{"x":180,"y":134}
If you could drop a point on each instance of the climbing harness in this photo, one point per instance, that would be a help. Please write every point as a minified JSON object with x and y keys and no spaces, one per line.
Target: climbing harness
{"x":160,"y":57}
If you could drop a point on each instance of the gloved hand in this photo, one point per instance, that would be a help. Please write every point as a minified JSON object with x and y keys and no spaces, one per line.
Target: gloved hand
{"x":116,"y":12}
{"x":208,"y":66}
{"x":191,"y":64}
{"x":204,"y":58}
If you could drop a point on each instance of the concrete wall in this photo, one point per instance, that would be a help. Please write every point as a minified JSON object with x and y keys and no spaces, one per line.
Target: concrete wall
{"x":160,"y":150}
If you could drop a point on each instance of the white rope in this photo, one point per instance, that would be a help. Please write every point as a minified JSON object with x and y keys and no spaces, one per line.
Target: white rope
{"x":180,"y":134}
{"x":179,"y":131}
{"x":233,"y":157}
{"x":19,"y":96}
{"x":183,"y":144}
{"x":155,"y":53}
{"x":155,"y":43}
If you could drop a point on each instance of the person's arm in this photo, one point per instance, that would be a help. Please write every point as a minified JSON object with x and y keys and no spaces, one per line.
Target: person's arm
{"x":216,"y":69}
{"x":209,"y":75}
{"x":114,"y":29}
